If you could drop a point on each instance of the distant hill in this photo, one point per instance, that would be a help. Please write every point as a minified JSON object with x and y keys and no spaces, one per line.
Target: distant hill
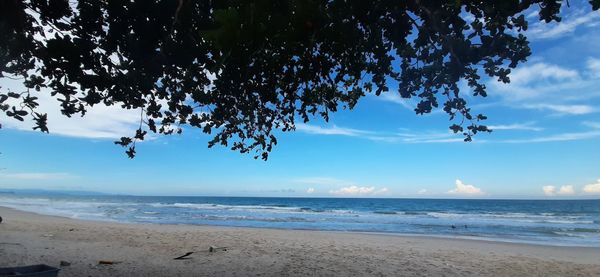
{"x":51,"y":192}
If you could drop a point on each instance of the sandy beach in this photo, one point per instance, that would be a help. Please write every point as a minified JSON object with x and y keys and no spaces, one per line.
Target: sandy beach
{"x":148,"y":250}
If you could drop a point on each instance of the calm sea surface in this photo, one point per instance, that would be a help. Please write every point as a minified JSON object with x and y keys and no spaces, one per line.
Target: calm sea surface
{"x":553,"y":222}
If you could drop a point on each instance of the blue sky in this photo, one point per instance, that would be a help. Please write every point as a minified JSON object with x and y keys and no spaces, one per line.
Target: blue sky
{"x":546,"y":142}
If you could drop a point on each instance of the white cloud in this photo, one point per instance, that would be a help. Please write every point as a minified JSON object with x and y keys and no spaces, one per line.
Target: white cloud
{"x":425,"y":137}
{"x":592,"y":188}
{"x":591,"y":124}
{"x":394,"y":97}
{"x":535,"y":80}
{"x":568,"y":25}
{"x":549,"y":190}
{"x":448,"y":140}
{"x":541,"y":71}
{"x":563,"y":190}
{"x":334,"y":130}
{"x":465,"y":189}
{"x":529,"y":126}
{"x":548,"y":87}
{"x":441,"y":137}
{"x":422,"y":191}
{"x":347,"y":188}
{"x":37,"y":176}
{"x":557,"y":137}
{"x":566,"y":190}
{"x":382,"y":191}
{"x":358,"y":191}
{"x":563,"y":109}
{"x":593,"y":66}
{"x":100,"y":121}
{"x":533,"y":14}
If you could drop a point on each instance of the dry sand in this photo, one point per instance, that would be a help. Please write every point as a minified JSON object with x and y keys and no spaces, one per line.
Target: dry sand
{"x":148,"y":250}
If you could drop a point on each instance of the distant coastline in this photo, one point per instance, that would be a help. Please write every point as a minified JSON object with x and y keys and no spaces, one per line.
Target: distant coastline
{"x":52,"y":192}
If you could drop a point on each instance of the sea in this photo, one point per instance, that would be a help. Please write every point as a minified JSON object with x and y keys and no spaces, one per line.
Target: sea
{"x":547,"y":222}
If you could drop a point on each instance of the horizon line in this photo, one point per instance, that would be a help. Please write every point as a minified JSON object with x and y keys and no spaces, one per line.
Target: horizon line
{"x":96,"y":193}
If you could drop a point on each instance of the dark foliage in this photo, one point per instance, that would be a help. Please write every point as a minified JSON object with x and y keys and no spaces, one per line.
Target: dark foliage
{"x":243,"y":69}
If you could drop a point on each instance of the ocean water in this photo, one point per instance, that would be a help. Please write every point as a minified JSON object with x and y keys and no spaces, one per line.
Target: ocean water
{"x":551,"y":222}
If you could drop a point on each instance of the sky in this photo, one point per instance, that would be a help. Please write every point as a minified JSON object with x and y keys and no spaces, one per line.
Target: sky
{"x":545,"y":144}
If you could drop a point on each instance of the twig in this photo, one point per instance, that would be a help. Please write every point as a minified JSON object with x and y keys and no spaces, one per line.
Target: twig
{"x":183,"y":257}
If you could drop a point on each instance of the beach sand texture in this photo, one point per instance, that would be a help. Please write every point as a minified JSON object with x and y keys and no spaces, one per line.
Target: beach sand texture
{"x":148,"y":250}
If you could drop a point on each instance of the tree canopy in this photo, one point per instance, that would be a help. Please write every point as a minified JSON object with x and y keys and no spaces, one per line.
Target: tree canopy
{"x":242,"y":69}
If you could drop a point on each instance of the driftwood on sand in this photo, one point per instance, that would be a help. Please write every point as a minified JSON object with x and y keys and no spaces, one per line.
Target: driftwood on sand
{"x":183,"y":257}
{"x":107,"y":262}
{"x":215,"y":249}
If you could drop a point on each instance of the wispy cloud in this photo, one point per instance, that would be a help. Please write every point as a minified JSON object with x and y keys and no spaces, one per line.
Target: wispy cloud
{"x":37,"y":176}
{"x":538,"y":86}
{"x":593,"y":67}
{"x":533,"y":14}
{"x":358,"y":191}
{"x":310,"y":190}
{"x":429,"y":137}
{"x":591,"y":124}
{"x":535,"y":80}
{"x":556,"y":137}
{"x":563,"y":109}
{"x":554,"y":30}
{"x":529,"y":126}
{"x":540,"y":71}
{"x":549,"y":87}
{"x":464,"y":189}
{"x":449,"y":137}
{"x":394,"y":97}
{"x":333,"y":130}
{"x":389,"y":137}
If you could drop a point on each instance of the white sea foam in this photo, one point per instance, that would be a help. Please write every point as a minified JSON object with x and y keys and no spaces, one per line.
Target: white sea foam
{"x":512,"y":224}
{"x":261,"y":208}
{"x":60,"y":207}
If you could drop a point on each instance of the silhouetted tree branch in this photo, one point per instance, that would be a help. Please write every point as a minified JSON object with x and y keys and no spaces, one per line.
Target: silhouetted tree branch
{"x":243,"y":69}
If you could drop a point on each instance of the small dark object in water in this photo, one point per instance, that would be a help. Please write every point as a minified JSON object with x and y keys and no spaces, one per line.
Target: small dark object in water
{"x":65,"y":263}
{"x":40,"y":270}
{"x":0,"y":219}
{"x":453,"y":227}
{"x":466,"y":226}
{"x":183,"y":257}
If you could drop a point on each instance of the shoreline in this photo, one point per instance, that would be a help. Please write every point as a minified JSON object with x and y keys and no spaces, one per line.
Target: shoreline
{"x":407,"y":235}
{"x":149,"y":249}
